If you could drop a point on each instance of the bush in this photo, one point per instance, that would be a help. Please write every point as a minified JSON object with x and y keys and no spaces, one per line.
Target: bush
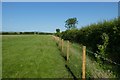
{"x":91,"y":37}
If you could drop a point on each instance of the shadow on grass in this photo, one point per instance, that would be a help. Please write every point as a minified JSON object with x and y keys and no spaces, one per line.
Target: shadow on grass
{"x":67,"y":67}
{"x":69,"y":70}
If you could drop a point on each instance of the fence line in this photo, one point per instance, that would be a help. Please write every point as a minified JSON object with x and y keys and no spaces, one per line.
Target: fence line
{"x":83,"y":62}
{"x":85,"y":51}
{"x":60,"y":44}
{"x":67,"y":50}
{"x":106,"y":59}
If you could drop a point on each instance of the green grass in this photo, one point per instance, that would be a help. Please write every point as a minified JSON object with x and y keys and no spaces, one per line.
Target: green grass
{"x":37,"y":56}
{"x":0,"y":56}
{"x":31,"y":56}
{"x":75,"y":58}
{"x":93,"y":69}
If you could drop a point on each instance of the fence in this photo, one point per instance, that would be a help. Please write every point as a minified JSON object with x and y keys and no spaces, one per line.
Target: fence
{"x":77,"y":57}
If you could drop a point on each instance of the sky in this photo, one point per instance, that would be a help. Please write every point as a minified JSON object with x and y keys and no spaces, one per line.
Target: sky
{"x":119,"y":8}
{"x":48,"y":16}
{"x":60,"y":0}
{"x":0,"y":17}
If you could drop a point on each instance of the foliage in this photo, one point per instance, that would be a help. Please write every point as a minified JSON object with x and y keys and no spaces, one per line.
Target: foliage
{"x":69,"y":34}
{"x":24,"y":33}
{"x":71,"y":23}
{"x":93,"y":70}
{"x":102,"y":48}
{"x":90,"y":36}
{"x":57,"y":32}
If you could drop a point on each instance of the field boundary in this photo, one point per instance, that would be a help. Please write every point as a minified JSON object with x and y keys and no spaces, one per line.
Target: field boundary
{"x":61,"y":43}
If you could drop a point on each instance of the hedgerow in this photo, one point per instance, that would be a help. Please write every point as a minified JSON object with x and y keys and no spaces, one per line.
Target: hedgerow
{"x":91,"y":36}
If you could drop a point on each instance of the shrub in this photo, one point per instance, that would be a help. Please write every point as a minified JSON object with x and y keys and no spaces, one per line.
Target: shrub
{"x":90,"y":36}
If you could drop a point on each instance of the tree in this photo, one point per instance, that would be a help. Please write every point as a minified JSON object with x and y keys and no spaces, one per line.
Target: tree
{"x":57,"y":30}
{"x":71,"y":23}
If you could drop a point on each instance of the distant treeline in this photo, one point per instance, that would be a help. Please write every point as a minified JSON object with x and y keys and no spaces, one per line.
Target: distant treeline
{"x":23,"y":33}
{"x":102,"y":38}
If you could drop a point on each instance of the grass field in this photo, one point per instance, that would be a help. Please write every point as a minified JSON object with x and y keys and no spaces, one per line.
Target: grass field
{"x":32,"y":56}
{"x":0,"y":56}
{"x":38,"y":56}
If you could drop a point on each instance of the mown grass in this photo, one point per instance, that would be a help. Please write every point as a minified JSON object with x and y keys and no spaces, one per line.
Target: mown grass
{"x":32,"y":56}
{"x":0,"y":56}
{"x":93,"y":69}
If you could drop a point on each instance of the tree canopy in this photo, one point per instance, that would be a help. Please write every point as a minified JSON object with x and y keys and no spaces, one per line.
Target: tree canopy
{"x":71,"y":23}
{"x":57,"y":30}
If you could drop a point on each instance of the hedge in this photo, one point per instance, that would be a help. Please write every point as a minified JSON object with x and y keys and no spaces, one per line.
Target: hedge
{"x":91,"y":36}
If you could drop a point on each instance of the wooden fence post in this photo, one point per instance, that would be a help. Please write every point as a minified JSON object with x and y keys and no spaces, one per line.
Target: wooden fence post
{"x":59,"y":42}
{"x":83,"y":62}
{"x":67,"y":50}
{"x":62,"y":45}
{"x":53,"y":37}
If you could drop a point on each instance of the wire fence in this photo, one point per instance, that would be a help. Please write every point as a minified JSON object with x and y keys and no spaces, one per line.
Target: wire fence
{"x":71,"y":55}
{"x":80,"y":64}
{"x":97,"y":55}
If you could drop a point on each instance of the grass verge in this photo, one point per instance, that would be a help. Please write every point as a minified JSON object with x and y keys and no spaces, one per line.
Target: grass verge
{"x":93,"y":69}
